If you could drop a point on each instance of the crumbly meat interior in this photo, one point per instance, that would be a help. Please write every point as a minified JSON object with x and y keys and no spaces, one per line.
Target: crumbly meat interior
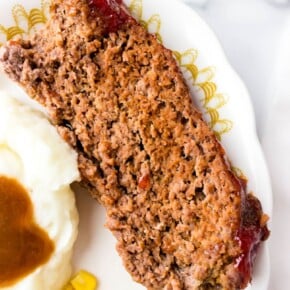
{"x":144,"y":151}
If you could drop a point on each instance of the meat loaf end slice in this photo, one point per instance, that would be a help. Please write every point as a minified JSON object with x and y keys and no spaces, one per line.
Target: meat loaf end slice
{"x":117,"y":96}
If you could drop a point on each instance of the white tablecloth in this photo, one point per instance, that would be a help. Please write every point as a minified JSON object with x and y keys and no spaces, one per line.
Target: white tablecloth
{"x":256,"y":38}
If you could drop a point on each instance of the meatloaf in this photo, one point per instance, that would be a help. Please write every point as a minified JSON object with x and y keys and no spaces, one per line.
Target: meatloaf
{"x":181,"y":218}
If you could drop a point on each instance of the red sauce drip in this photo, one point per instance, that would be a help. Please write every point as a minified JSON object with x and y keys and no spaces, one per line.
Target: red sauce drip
{"x":112,"y":12}
{"x":250,"y":236}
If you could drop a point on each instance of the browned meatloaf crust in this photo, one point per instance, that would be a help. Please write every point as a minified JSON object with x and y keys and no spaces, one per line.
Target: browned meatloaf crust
{"x":117,"y":96}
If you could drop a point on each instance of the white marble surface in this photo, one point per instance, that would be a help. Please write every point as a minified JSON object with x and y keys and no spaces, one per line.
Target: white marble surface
{"x":256,"y":38}
{"x":249,"y":31}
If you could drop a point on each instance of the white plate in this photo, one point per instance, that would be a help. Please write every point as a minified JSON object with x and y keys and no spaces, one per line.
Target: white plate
{"x":227,"y":108}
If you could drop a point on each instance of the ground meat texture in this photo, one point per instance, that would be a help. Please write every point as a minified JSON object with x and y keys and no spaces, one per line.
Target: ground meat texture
{"x":144,"y":151}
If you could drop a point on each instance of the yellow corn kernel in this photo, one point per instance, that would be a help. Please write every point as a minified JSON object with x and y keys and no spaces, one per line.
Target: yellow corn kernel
{"x":68,"y":287}
{"x":84,"y":281}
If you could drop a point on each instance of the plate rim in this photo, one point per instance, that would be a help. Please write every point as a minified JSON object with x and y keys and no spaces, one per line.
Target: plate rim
{"x":251,"y":124}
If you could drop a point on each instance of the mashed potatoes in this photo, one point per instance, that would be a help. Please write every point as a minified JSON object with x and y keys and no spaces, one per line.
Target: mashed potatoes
{"x":32,"y":152}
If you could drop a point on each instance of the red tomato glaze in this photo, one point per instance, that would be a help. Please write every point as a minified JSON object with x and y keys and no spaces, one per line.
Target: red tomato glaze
{"x":112,"y":11}
{"x":250,"y":236}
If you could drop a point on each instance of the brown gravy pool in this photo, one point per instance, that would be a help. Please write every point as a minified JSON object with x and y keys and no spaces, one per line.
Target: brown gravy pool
{"x":23,"y":244}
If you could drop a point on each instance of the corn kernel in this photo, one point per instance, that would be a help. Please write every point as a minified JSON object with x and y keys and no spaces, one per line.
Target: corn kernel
{"x":84,"y":281}
{"x":68,"y":287}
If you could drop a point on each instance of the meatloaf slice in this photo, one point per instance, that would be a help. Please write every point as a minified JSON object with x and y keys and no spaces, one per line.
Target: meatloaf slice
{"x":181,"y":218}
